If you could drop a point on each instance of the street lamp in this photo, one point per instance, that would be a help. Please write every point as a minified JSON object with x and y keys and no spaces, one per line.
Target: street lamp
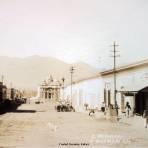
{"x":63,"y":80}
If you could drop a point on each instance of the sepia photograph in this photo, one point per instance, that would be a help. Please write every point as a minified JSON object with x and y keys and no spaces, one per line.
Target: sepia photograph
{"x":73,"y":74}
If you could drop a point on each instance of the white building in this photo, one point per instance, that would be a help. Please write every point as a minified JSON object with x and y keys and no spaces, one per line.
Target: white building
{"x":131,"y":79}
{"x":132,"y":86}
{"x":86,"y":91}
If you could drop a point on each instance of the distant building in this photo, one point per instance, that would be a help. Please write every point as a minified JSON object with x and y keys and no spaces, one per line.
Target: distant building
{"x":27,"y":93}
{"x":49,"y":89}
{"x":13,"y":94}
{"x":3,"y":93}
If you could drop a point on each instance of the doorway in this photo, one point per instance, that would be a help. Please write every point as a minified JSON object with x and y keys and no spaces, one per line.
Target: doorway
{"x":141,"y":101}
{"x":49,"y":95}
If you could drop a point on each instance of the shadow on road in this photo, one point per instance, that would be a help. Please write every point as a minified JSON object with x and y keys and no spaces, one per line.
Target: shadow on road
{"x":24,"y":111}
{"x":12,"y":106}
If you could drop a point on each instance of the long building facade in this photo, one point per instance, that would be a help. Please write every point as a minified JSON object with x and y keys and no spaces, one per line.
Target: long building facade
{"x":3,"y":92}
{"x":9,"y":93}
{"x":132,"y":86}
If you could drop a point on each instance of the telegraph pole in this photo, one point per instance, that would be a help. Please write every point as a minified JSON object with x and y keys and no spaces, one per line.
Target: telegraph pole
{"x":114,"y":69}
{"x":63,"y":80}
{"x":71,"y":78}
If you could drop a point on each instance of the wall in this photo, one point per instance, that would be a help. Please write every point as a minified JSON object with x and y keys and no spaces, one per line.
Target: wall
{"x":92,"y":91}
{"x":88,"y":91}
{"x":134,"y":79}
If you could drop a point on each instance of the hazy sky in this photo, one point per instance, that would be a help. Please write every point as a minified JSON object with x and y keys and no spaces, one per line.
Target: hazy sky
{"x":74,"y":30}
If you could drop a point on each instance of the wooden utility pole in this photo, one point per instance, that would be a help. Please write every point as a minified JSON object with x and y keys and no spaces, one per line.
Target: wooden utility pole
{"x":114,"y":68}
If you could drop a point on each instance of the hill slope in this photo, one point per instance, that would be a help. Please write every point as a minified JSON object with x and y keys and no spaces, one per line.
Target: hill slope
{"x":29,"y":72}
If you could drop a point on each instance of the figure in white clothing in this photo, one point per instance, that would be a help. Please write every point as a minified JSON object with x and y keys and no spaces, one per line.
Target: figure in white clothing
{"x":145,"y":117}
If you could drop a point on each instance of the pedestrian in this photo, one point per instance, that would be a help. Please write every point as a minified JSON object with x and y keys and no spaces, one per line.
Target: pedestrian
{"x":128,"y":108}
{"x":116,"y":107}
{"x":103,"y":107}
{"x":145,"y":117}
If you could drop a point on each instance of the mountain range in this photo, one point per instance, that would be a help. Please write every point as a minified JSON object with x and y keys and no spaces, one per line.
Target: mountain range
{"x":29,"y":72}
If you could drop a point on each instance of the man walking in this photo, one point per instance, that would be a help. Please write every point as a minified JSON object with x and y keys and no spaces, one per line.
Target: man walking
{"x":116,"y":107}
{"x":128,"y":108}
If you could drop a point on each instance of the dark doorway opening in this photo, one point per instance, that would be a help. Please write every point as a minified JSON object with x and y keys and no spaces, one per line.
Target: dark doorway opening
{"x":49,"y":95}
{"x":141,"y":101}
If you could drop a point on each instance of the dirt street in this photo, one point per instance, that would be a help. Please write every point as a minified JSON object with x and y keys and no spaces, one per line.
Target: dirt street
{"x":40,"y":126}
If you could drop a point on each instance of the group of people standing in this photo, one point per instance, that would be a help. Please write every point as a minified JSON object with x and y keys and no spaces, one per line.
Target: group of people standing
{"x":116,"y":107}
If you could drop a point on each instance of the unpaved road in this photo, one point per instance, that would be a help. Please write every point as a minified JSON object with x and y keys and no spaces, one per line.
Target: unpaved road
{"x":40,"y":126}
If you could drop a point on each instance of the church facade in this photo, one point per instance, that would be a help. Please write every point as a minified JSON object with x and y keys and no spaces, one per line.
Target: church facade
{"x":49,"y":89}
